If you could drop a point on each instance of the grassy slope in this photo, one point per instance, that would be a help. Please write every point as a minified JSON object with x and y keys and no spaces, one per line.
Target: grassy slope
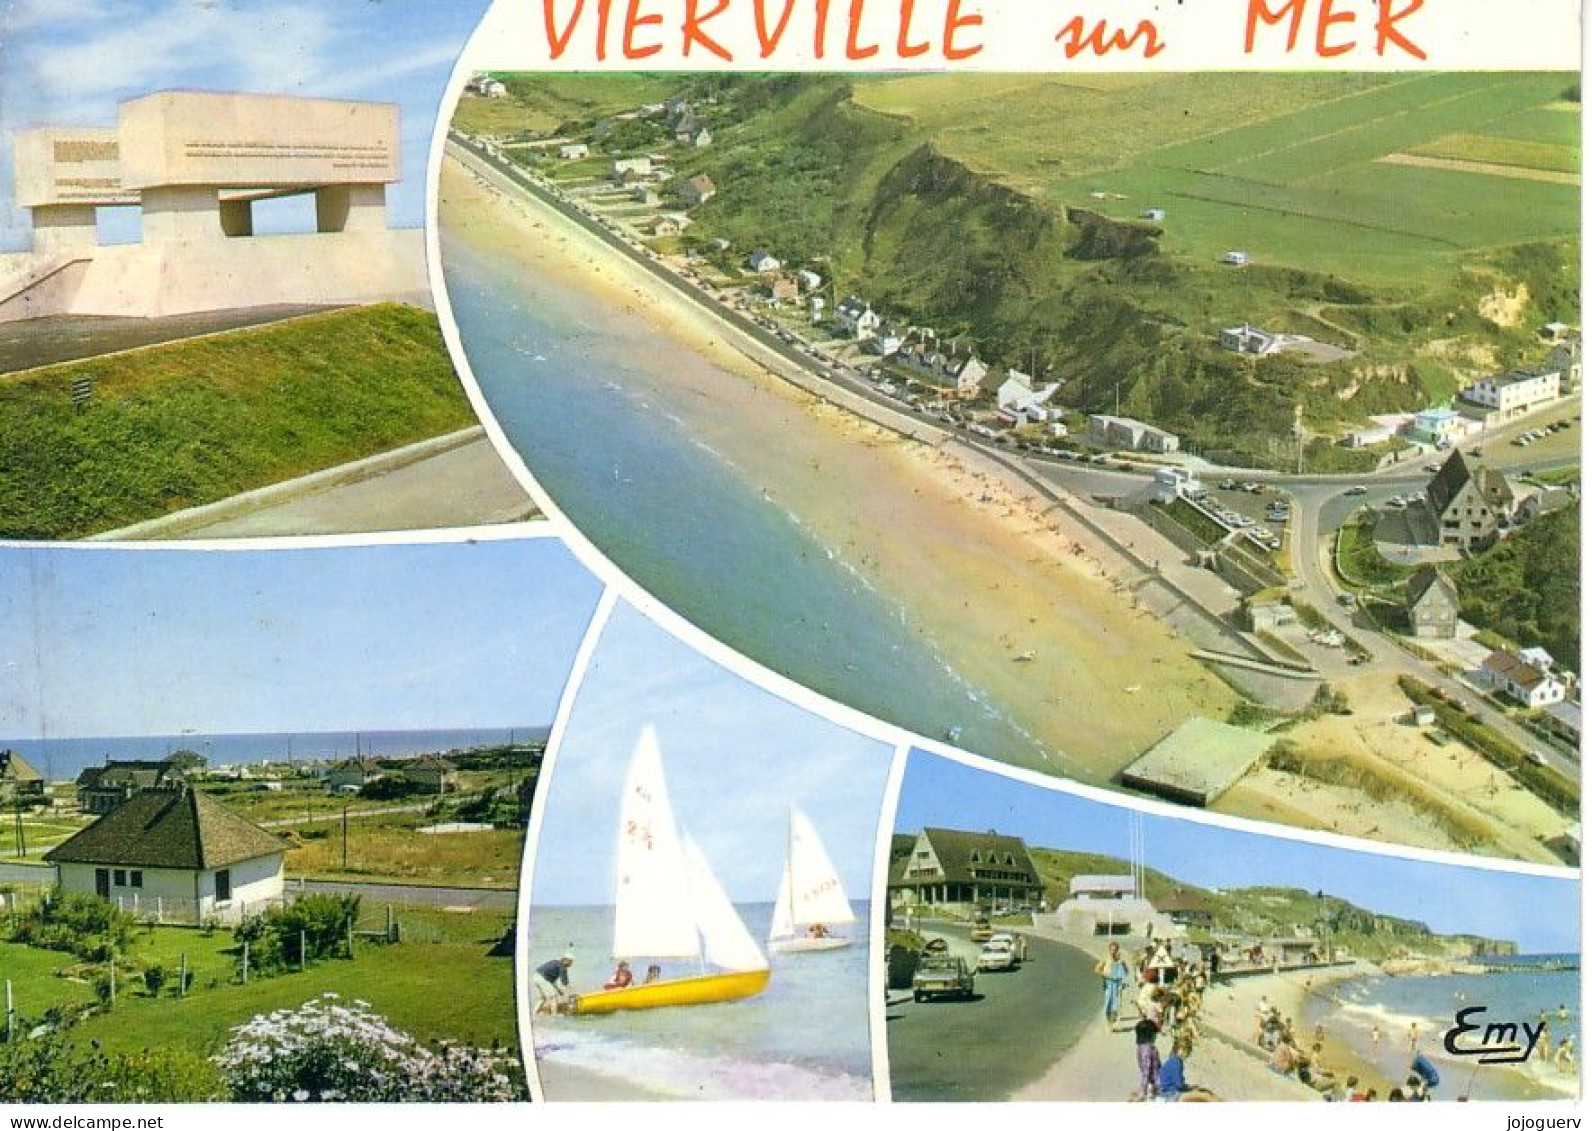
{"x":1528,"y":587}
{"x":180,"y":425}
{"x":945,"y":201}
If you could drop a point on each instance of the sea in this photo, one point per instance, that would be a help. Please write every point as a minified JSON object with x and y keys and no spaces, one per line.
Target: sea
{"x":61,"y":759}
{"x":1393,"y":1003}
{"x":805,"y":1037}
{"x":683,"y":521}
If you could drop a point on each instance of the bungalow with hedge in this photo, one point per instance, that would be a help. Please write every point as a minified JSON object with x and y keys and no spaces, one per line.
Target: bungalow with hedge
{"x":176,"y":854}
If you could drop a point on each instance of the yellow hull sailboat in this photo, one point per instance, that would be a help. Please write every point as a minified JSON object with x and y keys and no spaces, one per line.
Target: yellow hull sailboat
{"x":668,"y":904}
{"x":703,"y":990}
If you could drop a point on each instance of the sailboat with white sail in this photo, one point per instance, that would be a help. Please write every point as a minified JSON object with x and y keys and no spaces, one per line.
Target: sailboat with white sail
{"x":811,"y":899}
{"x":668,"y":904}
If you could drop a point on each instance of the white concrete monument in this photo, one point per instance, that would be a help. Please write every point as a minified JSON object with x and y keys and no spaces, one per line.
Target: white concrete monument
{"x":194,"y":164}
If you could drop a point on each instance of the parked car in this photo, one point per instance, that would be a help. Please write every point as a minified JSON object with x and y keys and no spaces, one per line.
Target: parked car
{"x":942,"y":975}
{"x":998,"y":954}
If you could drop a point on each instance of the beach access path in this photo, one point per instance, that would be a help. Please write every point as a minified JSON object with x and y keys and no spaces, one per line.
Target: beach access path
{"x":449,"y":481}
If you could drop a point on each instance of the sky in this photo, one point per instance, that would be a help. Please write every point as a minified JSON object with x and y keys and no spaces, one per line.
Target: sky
{"x":735,"y":759}
{"x":131,"y":642}
{"x":1541,"y":914}
{"x":69,"y":62}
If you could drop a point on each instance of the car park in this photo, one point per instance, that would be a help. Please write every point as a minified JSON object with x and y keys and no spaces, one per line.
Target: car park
{"x":942,"y":975}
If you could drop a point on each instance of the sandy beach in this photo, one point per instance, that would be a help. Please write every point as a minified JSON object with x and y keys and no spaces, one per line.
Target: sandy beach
{"x":986,"y":571}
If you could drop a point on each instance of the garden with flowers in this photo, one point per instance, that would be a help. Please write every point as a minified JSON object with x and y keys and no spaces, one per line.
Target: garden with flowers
{"x":429,"y":1018}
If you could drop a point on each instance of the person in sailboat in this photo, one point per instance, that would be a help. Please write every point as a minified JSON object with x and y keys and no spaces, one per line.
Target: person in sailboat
{"x":818,"y":931}
{"x":621,"y":978}
{"x":551,"y":980}
{"x":654,"y":973}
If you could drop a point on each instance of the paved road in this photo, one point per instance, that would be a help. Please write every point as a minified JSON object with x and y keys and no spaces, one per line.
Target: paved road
{"x":1019,"y":1024}
{"x":352,"y":814}
{"x":1311,"y":544}
{"x":373,"y":894}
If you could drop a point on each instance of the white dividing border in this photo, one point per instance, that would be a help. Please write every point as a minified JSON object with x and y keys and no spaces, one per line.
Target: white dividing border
{"x":530,"y":530}
{"x":783,"y":686}
{"x":879,"y":913}
{"x":533,"y":832}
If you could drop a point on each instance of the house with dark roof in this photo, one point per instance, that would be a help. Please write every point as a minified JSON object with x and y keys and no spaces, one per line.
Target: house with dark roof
{"x":18,"y":780}
{"x":1468,"y":504}
{"x":1432,"y":599}
{"x":432,"y":773}
{"x":102,"y":788}
{"x":174,"y":853}
{"x":951,"y":868}
{"x":1186,"y":908}
{"x":698,"y":190}
{"x":354,"y":774}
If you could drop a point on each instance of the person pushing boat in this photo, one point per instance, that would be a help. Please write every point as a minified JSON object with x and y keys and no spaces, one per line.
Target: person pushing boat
{"x":552,"y":983}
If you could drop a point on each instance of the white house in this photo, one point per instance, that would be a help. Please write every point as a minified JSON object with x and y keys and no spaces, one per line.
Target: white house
{"x":1514,"y":393}
{"x":638,"y":166}
{"x":763,"y":263}
{"x":856,"y":318}
{"x":176,"y":854}
{"x":1133,"y":435}
{"x":1521,"y":679}
{"x":1018,"y":400}
{"x":810,"y":280}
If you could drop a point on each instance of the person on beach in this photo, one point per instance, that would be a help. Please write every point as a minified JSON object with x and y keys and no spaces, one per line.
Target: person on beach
{"x":1174,"y":1085}
{"x":1415,"y":1036}
{"x":1284,"y":1058}
{"x":1113,"y":977}
{"x":1352,"y":1087}
{"x":551,"y":981}
{"x":1376,"y":1040}
{"x":1149,"y":1057}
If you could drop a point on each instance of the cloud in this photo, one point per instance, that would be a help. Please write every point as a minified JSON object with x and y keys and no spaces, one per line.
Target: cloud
{"x":32,"y":15}
{"x":283,"y":48}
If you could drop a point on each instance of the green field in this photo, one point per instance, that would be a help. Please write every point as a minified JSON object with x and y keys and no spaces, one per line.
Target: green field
{"x":179,"y":425}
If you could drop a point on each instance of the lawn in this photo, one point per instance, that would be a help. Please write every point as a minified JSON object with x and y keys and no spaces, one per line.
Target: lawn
{"x":187,"y":423}
{"x":1359,"y":562}
{"x":449,"y":989}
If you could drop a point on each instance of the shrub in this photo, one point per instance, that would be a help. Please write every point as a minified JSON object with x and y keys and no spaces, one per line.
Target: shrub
{"x":49,"y":1070}
{"x":83,"y":925}
{"x":325,"y":1051}
{"x":155,"y":979}
{"x":321,"y":921}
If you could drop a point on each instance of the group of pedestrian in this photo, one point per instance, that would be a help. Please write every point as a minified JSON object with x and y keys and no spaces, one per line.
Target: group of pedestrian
{"x":1167,"y":1001}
